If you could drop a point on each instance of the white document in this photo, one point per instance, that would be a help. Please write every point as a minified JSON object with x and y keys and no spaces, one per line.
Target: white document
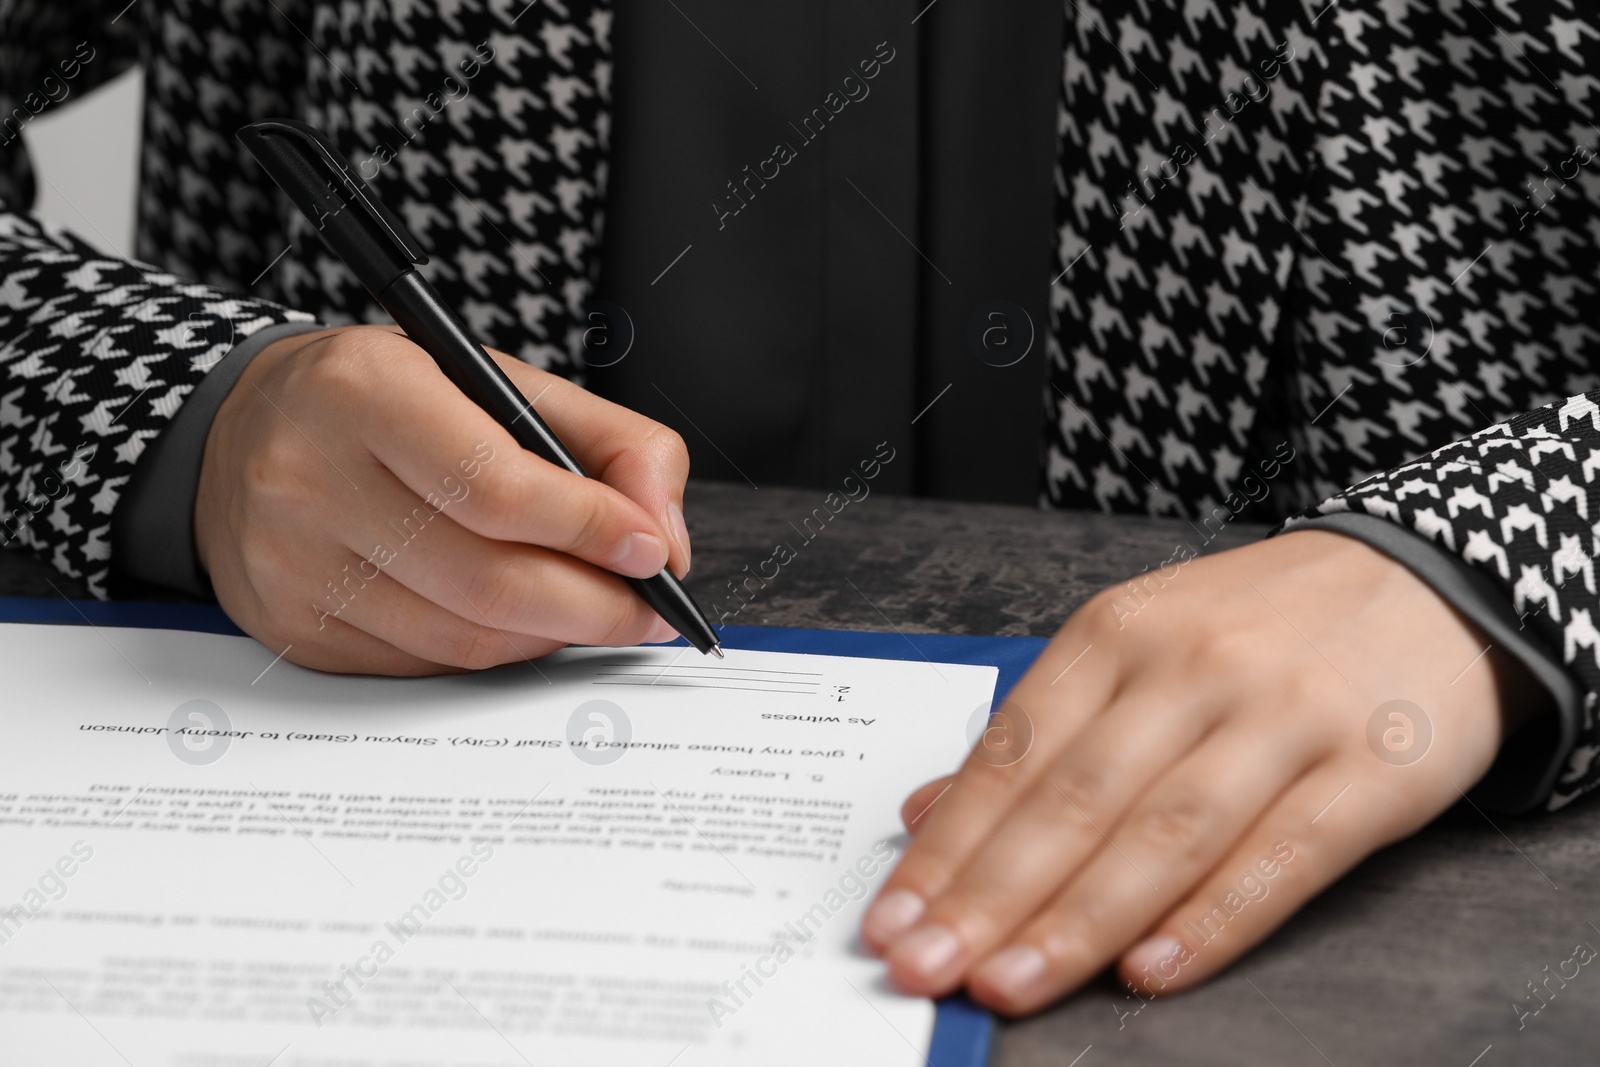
{"x":636,"y":857}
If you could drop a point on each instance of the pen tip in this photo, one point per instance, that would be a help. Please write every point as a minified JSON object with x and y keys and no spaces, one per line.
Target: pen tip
{"x":716,"y":650}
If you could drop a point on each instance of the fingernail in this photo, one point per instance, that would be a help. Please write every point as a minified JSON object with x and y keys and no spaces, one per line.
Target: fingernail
{"x":680,"y":532}
{"x":1013,"y":972}
{"x":891,"y":913}
{"x":660,"y":632}
{"x":1156,"y":956}
{"x":640,"y":555}
{"x":928,"y":950}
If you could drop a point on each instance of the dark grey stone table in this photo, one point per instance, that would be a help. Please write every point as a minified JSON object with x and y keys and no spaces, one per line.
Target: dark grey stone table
{"x":1419,"y":956}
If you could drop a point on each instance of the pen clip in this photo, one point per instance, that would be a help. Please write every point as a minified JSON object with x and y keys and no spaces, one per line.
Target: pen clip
{"x":322,"y":183}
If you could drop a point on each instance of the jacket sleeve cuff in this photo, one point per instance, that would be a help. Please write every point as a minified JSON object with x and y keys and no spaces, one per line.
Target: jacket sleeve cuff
{"x":1525,"y":771}
{"x":152,"y":529}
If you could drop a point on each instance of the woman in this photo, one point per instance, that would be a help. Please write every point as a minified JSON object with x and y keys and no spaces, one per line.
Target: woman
{"x":1295,"y":247}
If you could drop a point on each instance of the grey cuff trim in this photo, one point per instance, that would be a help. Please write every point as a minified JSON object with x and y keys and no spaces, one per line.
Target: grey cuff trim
{"x":1525,"y":771}
{"x":152,"y":527}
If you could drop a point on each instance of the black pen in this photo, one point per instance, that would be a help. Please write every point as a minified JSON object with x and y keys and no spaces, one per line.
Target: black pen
{"x":375,"y":245}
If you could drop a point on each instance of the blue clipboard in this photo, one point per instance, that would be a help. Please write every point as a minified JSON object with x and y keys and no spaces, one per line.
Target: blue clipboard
{"x":963,"y":1031}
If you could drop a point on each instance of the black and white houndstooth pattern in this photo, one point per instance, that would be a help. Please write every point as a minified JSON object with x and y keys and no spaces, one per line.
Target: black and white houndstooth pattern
{"x":1352,"y":260}
{"x":98,"y":353}
{"x":1518,"y":499}
{"x":1300,"y":221}
{"x":484,"y":123}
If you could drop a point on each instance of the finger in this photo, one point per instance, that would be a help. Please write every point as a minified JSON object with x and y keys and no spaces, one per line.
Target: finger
{"x":1322,"y":827}
{"x":340,"y":648}
{"x":333,"y":646}
{"x":318,"y":638}
{"x":1069,"y":686}
{"x":448,"y":451}
{"x":642,"y":459}
{"x":1053,"y":830}
{"x":1162,"y":846}
{"x":923,"y":798}
{"x":374,"y":603}
{"x":502,"y":585}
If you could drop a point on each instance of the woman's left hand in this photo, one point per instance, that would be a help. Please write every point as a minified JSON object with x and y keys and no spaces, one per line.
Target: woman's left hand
{"x":1179,"y":773}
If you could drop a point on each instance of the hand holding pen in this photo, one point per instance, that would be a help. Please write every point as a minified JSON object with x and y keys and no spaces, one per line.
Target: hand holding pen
{"x":357,"y":512}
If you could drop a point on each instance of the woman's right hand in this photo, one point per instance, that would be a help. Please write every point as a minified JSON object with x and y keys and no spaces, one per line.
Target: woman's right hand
{"x":359,"y":514}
